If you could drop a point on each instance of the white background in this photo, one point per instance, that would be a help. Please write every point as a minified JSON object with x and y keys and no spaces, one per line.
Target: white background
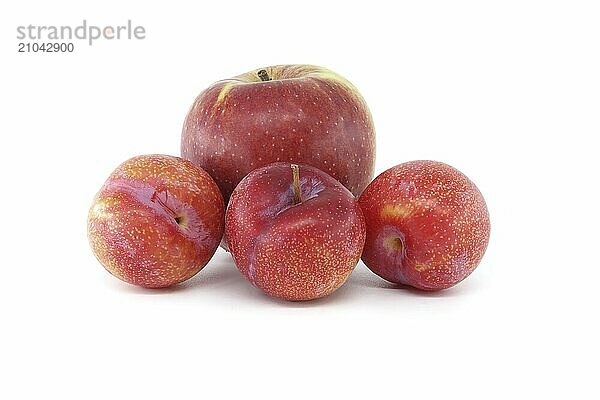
{"x":506,"y":91}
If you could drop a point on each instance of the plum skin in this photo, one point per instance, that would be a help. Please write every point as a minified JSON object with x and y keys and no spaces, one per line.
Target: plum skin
{"x":428,"y":225}
{"x":156,"y":221}
{"x":293,"y":251}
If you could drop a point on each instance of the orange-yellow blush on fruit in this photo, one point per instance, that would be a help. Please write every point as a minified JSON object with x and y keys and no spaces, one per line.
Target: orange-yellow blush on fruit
{"x":427,"y":225}
{"x":156,"y":221}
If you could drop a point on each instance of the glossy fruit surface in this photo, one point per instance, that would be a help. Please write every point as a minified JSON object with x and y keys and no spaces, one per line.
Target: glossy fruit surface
{"x":156,"y":221}
{"x":427,"y":225}
{"x":294,"y":244}
{"x":296,"y":113}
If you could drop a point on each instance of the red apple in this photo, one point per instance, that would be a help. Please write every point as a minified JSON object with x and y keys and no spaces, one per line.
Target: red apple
{"x":294,"y":231}
{"x":298,"y":113}
{"x":156,"y":221}
{"x":427,"y":225}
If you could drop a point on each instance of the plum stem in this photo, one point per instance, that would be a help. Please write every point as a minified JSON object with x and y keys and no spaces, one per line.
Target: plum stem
{"x":296,"y":175}
{"x":263,"y":75}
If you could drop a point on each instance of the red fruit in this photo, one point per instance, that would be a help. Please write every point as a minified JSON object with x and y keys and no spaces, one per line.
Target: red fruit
{"x":297,"y":113}
{"x":156,"y":221}
{"x":427,"y":225}
{"x":295,"y":237}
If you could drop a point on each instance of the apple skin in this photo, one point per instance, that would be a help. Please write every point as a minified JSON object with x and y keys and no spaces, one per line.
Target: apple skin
{"x":304,"y":114}
{"x":294,"y":251}
{"x":427,"y":225}
{"x":156,"y":221}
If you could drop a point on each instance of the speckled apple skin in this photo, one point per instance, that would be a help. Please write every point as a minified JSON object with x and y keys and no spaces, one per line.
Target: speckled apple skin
{"x":305,"y":114}
{"x":427,"y":225}
{"x":156,"y":221}
{"x":294,"y":251}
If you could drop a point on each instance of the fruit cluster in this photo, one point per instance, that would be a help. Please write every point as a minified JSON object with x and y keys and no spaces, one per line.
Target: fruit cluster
{"x":271,"y":163}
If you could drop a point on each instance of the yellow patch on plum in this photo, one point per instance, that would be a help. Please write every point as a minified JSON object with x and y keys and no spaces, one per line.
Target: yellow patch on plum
{"x":100,"y":210}
{"x":421,"y":267}
{"x":396,"y":211}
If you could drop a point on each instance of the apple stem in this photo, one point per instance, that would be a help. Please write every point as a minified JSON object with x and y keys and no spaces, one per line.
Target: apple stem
{"x":263,"y":75}
{"x":296,"y":175}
